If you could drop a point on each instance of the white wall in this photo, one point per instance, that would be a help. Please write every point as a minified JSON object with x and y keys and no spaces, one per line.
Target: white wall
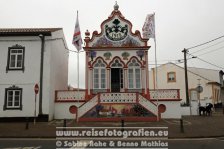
{"x":190,"y":111}
{"x":172,"y":109}
{"x":58,"y":70}
{"x":180,"y":81}
{"x":55,"y":74}
{"x":62,"y":110}
{"x":25,"y":80}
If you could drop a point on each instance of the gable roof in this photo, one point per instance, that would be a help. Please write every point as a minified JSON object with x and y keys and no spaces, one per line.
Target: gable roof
{"x":27,"y":31}
{"x":116,"y":32}
{"x":209,"y":74}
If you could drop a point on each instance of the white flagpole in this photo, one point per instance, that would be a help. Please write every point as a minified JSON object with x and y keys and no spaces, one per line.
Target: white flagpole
{"x":156,"y":72}
{"x":78,"y":68}
{"x":78,"y":75}
{"x":156,"y":81}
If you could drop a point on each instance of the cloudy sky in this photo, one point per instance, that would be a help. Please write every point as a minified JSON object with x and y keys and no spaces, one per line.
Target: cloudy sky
{"x":179,"y":24}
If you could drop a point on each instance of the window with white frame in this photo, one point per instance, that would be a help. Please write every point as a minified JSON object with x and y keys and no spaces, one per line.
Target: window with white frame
{"x":99,"y":75}
{"x":16,"y":58}
{"x":134,"y":75}
{"x":13,"y":98}
{"x":171,"y":77}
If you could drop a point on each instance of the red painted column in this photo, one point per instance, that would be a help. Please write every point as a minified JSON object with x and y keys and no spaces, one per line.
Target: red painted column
{"x":147,"y":73}
{"x":178,"y":93}
{"x":87,"y":78}
{"x":125,"y":80}
{"x":108,"y":79}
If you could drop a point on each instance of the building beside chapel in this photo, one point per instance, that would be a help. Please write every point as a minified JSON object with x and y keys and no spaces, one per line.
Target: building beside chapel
{"x":171,"y":75}
{"x":31,"y":56}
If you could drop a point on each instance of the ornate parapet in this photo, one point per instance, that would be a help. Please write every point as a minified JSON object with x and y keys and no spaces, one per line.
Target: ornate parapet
{"x":69,"y":95}
{"x":165,"y":94}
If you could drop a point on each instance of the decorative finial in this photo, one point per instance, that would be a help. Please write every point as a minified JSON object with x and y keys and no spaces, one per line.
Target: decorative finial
{"x":116,"y":6}
{"x":87,"y":33}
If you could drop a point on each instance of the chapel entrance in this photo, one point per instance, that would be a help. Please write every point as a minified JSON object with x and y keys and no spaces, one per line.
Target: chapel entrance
{"x":116,"y":79}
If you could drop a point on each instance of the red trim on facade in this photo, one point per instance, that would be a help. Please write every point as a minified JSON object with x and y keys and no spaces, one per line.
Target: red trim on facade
{"x":61,"y":101}
{"x":91,"y":92}
{"x":137,"y":97}
{"x":148,"y":94}
{"x":87,"y":77}
{"x":178,"y":93}
{"x":162,"y":108}
{"x":98,"y":96}
{"x":116,"y":48}
{"x":75,"y":89}
{"x":99,"y":57}
{"x":112,"y":16}
{"x":147,"y":74}
{"x":86,"y":95}
{"x":55,"y":96}
{"x":118,"y":119}
{"x":166,"y":99}
{"x":116,"y":57}
{"x":120,"y":103}
{"x":143,"y":91}
{"x":73,"y":109}
{"x":136,"y":58}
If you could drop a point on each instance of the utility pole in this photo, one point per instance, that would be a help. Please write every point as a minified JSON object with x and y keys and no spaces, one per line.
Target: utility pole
{"x":42,"y":37}
{"x":186,"y":77}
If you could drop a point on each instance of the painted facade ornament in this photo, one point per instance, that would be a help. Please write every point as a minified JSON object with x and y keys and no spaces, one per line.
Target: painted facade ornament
{"x":92,"y":54}
{"x":116,"y":32}
{"x":140,"y":53}
{"x":107,"y":55}
{"x":128,"y":42}
{"x":103,"y":42}
{"x":125,"y":55}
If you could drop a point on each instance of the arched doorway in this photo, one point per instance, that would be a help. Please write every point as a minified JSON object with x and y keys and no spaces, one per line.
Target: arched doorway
{"x":117,"y":76}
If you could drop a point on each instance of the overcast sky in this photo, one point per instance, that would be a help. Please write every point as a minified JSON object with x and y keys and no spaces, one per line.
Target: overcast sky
{"x":179,"y":24}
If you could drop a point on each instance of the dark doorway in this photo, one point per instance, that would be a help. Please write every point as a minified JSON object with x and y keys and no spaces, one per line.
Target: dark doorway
{"x":115,"y":79}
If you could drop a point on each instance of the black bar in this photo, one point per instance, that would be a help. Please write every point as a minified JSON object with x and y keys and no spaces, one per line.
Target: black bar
{"x":27,"y":123}
{"x":181,"y":126}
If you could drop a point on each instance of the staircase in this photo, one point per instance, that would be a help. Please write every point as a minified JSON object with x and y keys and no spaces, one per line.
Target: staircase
{"x":87,"y":106}
{"x":117,"y":98}
{"x":149,"y":105}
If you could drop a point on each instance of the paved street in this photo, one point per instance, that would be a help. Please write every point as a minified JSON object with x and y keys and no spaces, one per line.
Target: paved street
{"x":196,"y":130}
{"x":199,"y":143}
{"x":27,"y":143}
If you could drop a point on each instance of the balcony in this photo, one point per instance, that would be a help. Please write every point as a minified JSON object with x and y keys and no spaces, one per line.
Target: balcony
{"x":69,"y":95}
{"x":74,"y":96}
{"x":165,"y":94}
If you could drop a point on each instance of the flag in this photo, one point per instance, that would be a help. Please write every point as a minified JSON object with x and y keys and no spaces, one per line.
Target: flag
{"x":77,"y":39}
{"x":149,"y":27}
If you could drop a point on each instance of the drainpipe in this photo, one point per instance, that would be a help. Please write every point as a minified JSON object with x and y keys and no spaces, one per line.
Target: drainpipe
{"x":42,"y":37}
